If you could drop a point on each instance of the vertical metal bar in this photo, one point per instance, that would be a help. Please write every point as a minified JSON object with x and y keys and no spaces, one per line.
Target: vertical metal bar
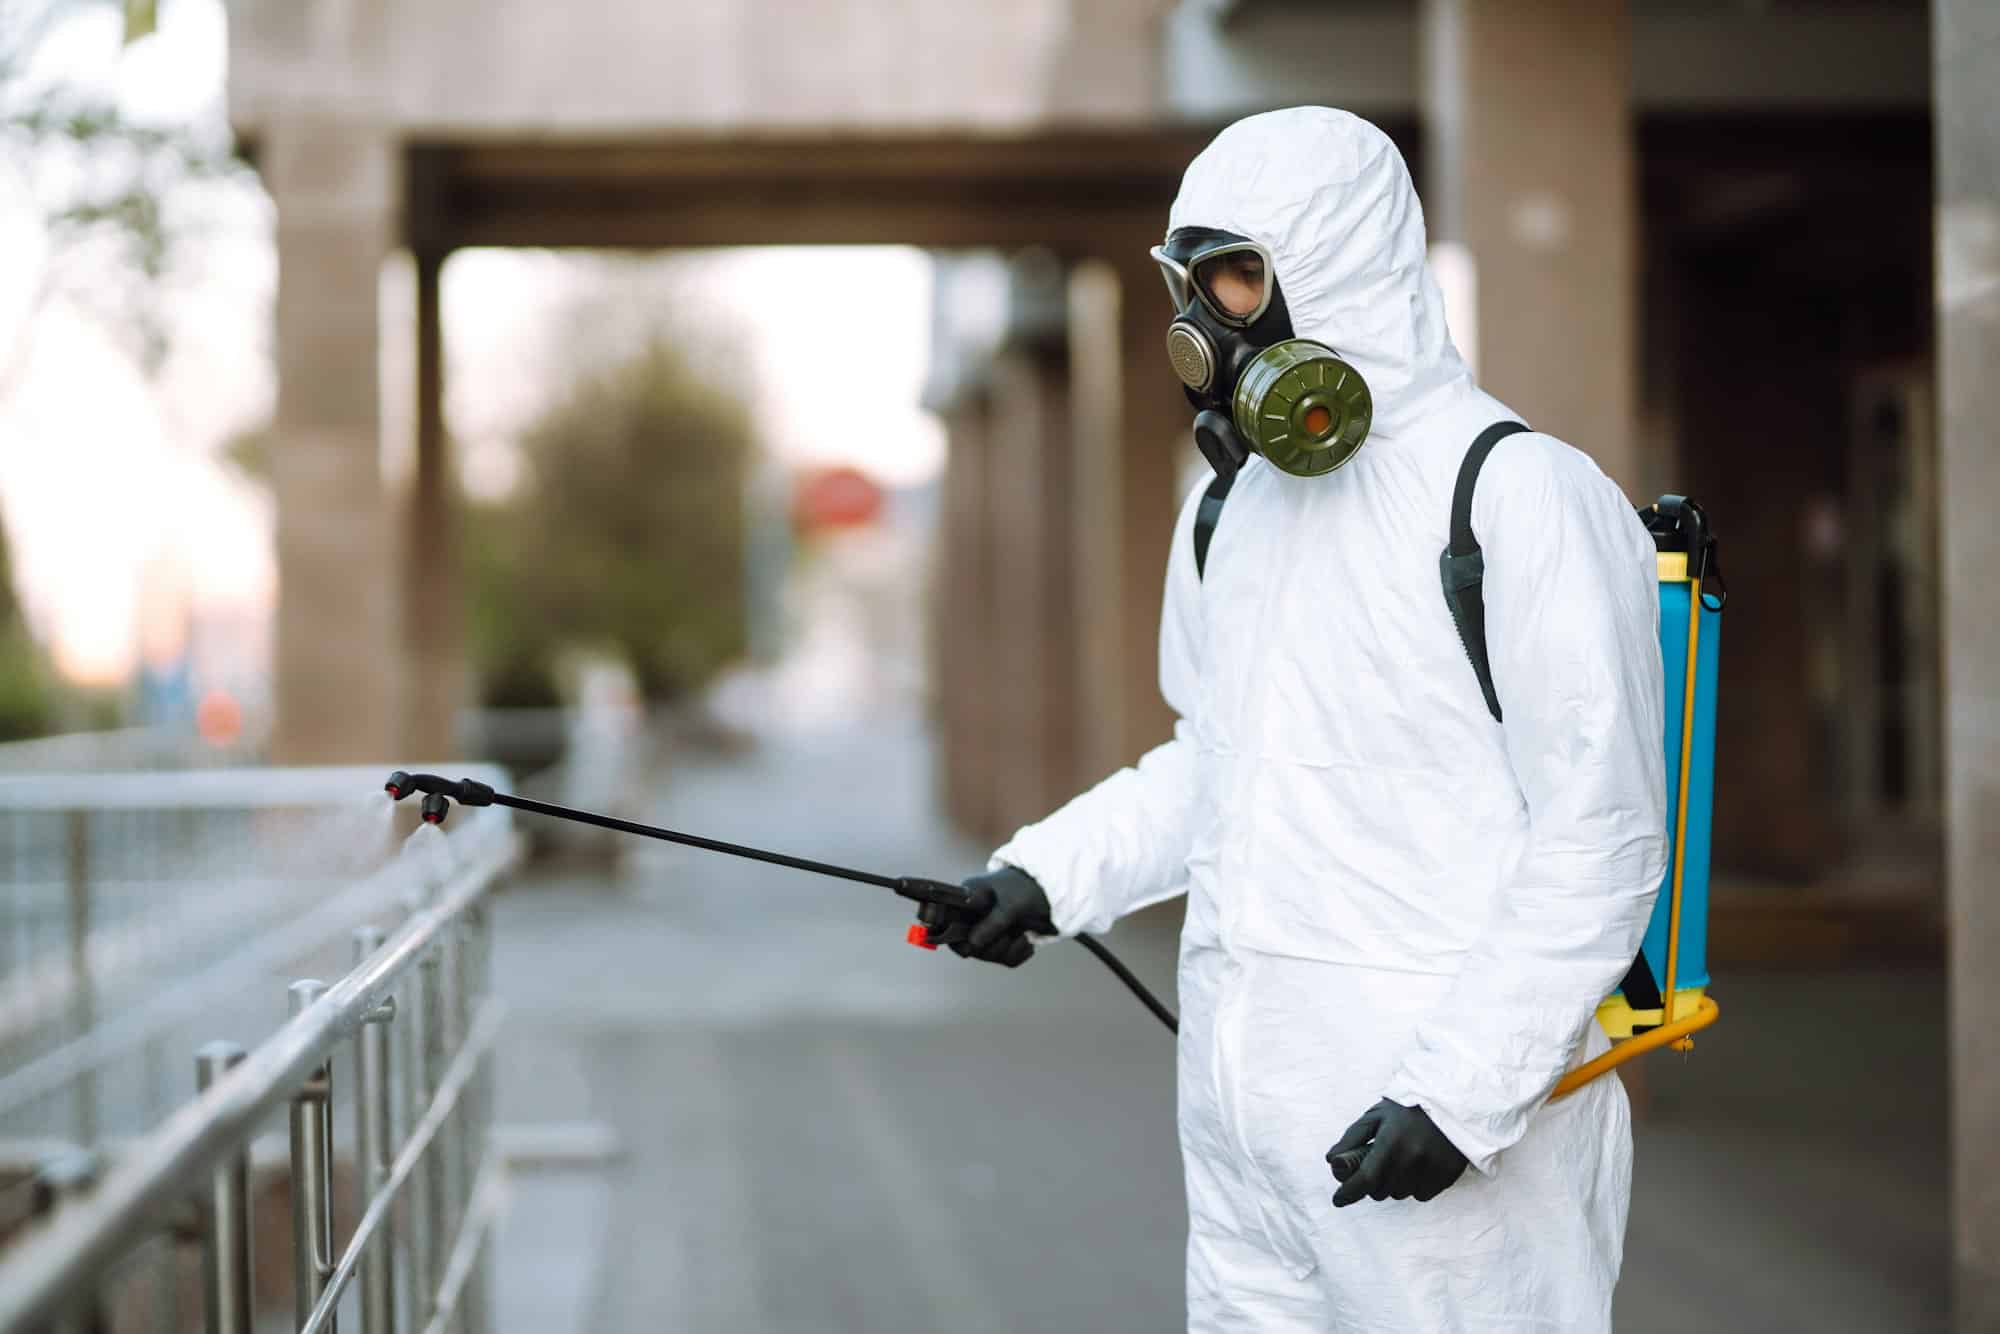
{"x":463,"y":1147}
{"x":312,"y":1173}
{"x":225,"y":1221}
{"x":475,"y":1316}
{"x":416,"y":1191}
{"x":167,"y":1278}
{"x":83,"y":1001}
{"x":372,"y":1132}
{"x":159,"y":1093}
{"x":434,"y":1222}
{"x":63,"y":1176}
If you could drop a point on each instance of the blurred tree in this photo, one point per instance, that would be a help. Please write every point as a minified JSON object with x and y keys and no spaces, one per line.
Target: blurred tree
{"x":27,"y":702}
{"x":109,"y":191}
{"x":626,"y":535}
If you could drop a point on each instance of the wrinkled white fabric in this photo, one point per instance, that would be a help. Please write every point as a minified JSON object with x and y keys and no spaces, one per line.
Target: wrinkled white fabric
{"x":1390,"y":894}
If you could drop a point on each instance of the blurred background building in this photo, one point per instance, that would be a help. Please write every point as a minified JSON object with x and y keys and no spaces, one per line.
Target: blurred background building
{"x":522,"y":351}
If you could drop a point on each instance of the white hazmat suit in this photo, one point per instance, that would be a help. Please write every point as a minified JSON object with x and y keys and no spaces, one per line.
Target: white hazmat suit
{"x":1390,"y":894}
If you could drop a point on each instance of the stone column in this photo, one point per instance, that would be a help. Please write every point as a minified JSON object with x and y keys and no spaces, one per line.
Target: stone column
{"x":1016,"y":551}
{"x":961,"y":620}
{"x":433,"y":687}
{"x":1130,"y":421}
{"x":1033,"y":649}
{"x":1057,"y":774}
{"x":1032,"y":652}
{"x":1966,"y":39}
{"x":336,"y":185}
{"x":1530,"y":166}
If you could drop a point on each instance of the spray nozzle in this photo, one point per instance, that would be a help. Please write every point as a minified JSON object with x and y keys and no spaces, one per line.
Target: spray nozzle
{"x":436,"y":807}
{"x":466,"y":791}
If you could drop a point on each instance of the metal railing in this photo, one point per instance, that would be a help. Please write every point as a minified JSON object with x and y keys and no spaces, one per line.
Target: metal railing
{"x":131,"y":903}
{"x":414,"y":1009}
{"x":121,"y":750}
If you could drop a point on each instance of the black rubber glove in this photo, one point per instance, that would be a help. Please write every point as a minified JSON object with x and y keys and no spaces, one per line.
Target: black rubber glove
{"x":1409,"y":1159}
{"x":1006,"y":905}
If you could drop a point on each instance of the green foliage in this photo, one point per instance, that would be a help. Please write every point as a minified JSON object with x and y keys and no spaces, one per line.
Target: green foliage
{"x":27,"y":702}
{"x":27,"y":705}
{"x":249,"y":452}
{"x":627,"y":536}
{"x":112,"y":193}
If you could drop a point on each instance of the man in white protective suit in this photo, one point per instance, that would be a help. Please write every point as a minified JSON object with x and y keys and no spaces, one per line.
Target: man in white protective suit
{"x":1405,"y":900}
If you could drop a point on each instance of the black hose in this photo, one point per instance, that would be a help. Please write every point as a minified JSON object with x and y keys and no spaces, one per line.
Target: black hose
{"x":1133,"y":984}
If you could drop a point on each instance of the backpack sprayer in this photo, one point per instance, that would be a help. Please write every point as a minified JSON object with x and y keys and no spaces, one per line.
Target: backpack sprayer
{"x":439,"y":793}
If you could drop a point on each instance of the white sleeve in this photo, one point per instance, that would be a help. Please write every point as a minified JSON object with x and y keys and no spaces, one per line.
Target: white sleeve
{"x":1572,"y":622}
{"x":1124,"y":844}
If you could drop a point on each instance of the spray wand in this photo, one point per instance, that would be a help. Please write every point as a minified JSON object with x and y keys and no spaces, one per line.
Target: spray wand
{"x":439,"y":793}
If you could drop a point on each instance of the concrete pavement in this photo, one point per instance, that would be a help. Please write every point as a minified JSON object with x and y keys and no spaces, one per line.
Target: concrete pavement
{"x":826,"y":1129}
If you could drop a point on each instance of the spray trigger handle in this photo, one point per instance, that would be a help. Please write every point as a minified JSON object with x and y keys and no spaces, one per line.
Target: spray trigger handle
{"x":920,"y":936}
{"x":917,"y":888}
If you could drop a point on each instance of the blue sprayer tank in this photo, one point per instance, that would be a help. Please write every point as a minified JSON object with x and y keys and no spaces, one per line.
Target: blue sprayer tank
{"x":1671,"y":973}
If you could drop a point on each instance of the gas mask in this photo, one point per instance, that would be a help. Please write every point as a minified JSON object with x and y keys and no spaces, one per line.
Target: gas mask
{"x":1256,"y":387}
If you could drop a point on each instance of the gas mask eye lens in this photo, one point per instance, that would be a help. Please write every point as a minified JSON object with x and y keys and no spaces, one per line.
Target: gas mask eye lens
{"x":1236,"y":283}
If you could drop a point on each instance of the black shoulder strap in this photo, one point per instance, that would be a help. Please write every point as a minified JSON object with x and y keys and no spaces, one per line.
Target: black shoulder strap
{"x":1206,"y":517}
{"x":1462,"y":566}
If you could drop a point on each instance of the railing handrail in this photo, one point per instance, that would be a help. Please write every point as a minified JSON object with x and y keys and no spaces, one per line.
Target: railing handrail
{"x":112,"y":748}
{"x":55,"y":1264}
{"x":208,"y":789}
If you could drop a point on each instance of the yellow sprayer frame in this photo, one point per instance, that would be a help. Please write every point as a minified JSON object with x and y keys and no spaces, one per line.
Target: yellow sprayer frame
{"x":1673,"y":565}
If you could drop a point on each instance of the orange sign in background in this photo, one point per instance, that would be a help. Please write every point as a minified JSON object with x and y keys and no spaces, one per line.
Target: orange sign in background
{"x":836,"y":497}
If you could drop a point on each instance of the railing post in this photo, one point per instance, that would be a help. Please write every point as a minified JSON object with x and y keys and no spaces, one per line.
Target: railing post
{"x":83,"y":997}
{"x":435,"y":1221}
{"x":464,"y":1163}
{"x":312,"y":1173}
{"x":225,"y":1217}
{"x":372,"y":1131}
{"x":416,"y":1203}
{"x":474,"y":966}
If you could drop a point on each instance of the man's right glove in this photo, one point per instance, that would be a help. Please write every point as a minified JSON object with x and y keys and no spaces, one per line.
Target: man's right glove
{"x":1006,"y":905}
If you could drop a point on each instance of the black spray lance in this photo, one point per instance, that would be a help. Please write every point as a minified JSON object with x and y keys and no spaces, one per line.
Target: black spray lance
{"x":439,"y":793}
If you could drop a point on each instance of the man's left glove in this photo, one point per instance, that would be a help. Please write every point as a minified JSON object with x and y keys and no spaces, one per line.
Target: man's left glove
{"x":1409,"y":1159}
{"x":1006,"y":905}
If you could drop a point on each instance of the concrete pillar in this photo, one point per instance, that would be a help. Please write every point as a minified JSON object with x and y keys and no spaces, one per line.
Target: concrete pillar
{"x":1033,"y":549}
{"x":1130,"y":422}
{"x":1016,"y":553}
{"x":1966,"y":38}
{"x":433,"y":686}
{"x":1058,"y":773}
{"x":1529,"y":144}
{"x":961,"y":620}
{"x":1031,"y":539}
{"x":336,"y":186}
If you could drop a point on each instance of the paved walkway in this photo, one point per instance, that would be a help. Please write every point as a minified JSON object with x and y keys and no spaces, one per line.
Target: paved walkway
{"x":828,"y":1131}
